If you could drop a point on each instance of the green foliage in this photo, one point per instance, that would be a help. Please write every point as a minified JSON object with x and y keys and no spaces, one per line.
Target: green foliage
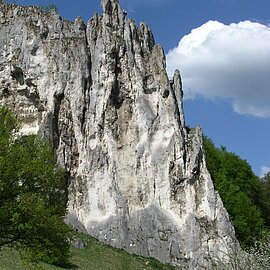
{"x":33,"y":196}
{"x":95,"y":256}
{"x":238,"y":187}
{"x":7,"y":126}
{"x":265,"y":198}
{"x":256,"y":257}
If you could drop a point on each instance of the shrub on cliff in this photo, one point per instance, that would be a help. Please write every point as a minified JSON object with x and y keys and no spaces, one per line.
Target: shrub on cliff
{"x":33,"y":196}
{"x":256,"y":257}
{"x":49,"y":7}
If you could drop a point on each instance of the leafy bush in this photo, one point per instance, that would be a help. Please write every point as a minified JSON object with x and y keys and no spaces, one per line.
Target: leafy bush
{"x":239,"y":189}
{"x":264,"y":198}
{"x":33,"y":196}
{"x":256,"y":257}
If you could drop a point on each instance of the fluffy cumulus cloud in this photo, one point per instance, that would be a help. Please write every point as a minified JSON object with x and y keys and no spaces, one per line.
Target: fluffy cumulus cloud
{"x":226,"y":61}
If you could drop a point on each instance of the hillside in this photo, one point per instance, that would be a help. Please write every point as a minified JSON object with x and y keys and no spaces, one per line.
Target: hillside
{"x":93,"y":256}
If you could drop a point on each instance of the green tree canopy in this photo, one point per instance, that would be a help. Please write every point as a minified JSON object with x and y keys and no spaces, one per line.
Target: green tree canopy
{"x":239,"y":189}
{"x":33,"y":196}
{"x":265,"y":197}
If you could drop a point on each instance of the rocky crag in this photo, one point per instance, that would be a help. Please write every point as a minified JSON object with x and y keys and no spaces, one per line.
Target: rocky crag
{"x":100,"y":92}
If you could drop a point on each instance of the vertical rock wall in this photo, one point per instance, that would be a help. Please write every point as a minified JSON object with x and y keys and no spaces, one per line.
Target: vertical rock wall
{"x":100,"y":92}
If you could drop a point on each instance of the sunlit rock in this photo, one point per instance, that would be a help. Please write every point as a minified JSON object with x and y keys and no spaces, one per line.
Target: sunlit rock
{"x":100,"y":92}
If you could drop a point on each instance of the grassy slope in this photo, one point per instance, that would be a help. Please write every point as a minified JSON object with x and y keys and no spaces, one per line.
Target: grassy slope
{"x":96,"y":256}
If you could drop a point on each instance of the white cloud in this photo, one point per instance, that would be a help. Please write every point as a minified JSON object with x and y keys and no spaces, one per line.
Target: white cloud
{"x":226,"y":61}
{"x":264,"y":170}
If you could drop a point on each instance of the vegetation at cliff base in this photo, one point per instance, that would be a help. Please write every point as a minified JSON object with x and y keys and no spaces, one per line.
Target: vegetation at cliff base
{"x":92,"y":255}
{"x":246,"y":198}
{"x":33,"y":196}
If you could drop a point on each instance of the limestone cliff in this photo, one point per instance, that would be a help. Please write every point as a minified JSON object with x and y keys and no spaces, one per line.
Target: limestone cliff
{"x":100,"y":92}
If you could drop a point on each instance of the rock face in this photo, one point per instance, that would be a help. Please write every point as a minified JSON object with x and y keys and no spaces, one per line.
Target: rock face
{"x":100,"y":92}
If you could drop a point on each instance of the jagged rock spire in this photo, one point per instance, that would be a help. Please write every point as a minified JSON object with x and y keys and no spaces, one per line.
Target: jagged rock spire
{"x":113,"y":15}
{"x":138,"y":178}
{"x":109,"y":5}
{"x":176,"y":85}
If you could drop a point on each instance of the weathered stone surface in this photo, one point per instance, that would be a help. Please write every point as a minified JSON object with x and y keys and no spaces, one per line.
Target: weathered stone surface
{"x":100,"y":92}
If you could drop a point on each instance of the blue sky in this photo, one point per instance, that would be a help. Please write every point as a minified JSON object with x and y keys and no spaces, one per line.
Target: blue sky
{"x":222,"y":49}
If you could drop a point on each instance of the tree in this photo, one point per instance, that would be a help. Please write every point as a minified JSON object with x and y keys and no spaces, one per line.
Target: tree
{"x":33,"y":196}
{"x":257,"y":257}
{"x":238,"y":187}
{"x":265,"y":197}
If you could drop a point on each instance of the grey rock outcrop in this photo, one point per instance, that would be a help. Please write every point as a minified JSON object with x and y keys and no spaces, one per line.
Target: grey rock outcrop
{"x":100,"y":92}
